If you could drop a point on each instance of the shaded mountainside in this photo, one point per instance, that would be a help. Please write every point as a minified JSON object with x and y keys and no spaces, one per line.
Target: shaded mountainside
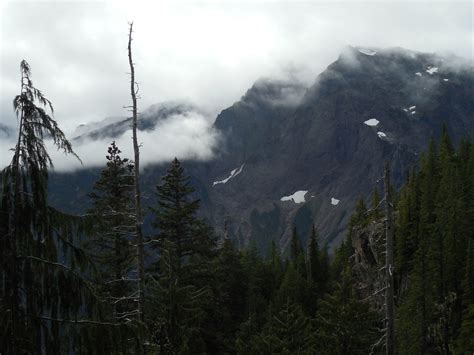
{"x":330,"y":140}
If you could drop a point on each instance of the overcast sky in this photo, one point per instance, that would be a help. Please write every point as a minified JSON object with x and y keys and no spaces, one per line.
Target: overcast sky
{"x":205,"y":52}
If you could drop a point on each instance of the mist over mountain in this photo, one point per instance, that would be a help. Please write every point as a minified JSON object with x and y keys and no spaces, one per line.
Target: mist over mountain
{"x":286,"y":154}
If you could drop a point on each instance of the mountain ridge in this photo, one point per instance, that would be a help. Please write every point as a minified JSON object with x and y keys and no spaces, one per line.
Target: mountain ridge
{"x":318,"y":141}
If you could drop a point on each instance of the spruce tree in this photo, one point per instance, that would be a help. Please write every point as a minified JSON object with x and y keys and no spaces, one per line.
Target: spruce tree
{"x":185,"y":245}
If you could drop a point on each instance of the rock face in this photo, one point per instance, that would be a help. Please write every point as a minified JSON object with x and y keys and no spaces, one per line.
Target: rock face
{"x":330,"y":140}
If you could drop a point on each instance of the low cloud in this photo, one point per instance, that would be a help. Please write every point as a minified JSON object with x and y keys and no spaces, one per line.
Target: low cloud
{"x":207,"y":52}
{"x":186,"y":136}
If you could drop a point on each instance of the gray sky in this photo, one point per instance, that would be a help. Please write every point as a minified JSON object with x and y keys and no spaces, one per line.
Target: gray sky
{"x":205,"y":52}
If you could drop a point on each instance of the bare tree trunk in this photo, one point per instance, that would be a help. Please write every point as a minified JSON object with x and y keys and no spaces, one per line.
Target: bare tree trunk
{"x":389,"y":304}
{"x":138,"y":206}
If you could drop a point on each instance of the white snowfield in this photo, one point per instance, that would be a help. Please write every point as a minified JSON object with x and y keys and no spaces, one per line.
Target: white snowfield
{"x":367,"y":51}
{"x":233,"y":174}
{"x":413,"y":112}
{"x":446,"y":79}
{"x":432,"y":70}
{"x":297,"y":197}
{"x":381,"y":134}
{"x":334,"y":201}
{"x":418,"y":73}
{"x":372,"y":122}
{"x":411,"y":108}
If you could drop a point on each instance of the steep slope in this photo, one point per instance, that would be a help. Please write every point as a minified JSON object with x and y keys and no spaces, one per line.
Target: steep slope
{"x":323,"y":146}
{"x":295,"y":155}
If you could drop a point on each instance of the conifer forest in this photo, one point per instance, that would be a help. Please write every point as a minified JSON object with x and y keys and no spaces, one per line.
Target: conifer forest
{"x":400,"y":282}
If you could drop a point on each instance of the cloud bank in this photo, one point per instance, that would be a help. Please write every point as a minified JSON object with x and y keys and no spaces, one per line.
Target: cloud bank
{"x":185,"y":136}
{"x":209,"y":53}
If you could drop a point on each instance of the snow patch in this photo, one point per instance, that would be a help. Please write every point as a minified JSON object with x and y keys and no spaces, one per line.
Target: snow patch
{"x":432,"y":70}
{"x":381,"y":134}
{"x":334,"y":201}
{"x":445,"y":79}
{"x":233,"y":174}
{"x":367,"y":52}
{"x":413,"y":112}
{"x":372,"y":122}
{"x":297,"y":197}
{"x":411,"y":108}
{"x":418,"y":73}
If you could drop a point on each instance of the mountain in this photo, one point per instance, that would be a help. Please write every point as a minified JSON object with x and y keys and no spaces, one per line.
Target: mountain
{"x":292,"y":155}
{"x":113,"y":127}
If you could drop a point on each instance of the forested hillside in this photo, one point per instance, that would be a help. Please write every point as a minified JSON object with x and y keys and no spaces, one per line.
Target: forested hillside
{"x":70,"y":283}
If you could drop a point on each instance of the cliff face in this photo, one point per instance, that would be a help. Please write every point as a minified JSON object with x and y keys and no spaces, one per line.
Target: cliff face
{"x":364,"y":109}
{"x":292,"y":155}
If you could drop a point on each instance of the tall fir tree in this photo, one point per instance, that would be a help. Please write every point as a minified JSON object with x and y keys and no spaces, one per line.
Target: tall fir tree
{"x":185,"y":245}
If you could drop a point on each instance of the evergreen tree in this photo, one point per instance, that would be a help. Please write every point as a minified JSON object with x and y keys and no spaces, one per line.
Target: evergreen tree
{"x":228,"y":309}
{"x":465,"y":340}
{"x":313,"y":258}
{"x":289,"y":331}
{"x":111,"y":241}
{"x":346,"y":325}
{"x":185,"y":244}
{"x":42,"y":265}
{"x":295,"y":247}
{"x":407,"y":227}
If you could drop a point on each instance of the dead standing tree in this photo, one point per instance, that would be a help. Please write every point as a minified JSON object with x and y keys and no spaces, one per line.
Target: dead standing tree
{"x":389,"y":267}
{"x":138,"y":206}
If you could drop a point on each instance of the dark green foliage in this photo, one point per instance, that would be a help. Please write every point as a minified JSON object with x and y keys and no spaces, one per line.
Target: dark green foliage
{"x":434,"y":257}
{"x":346,"y":325}
{"x":181,"y":278}
{"x":175,"y":216}
{"x":465,"y":340}
{"x":43,"y":287}
{"x":295,"y":246}
{"x":201,"y":298}
{"x":288,"y":331}
{"x":110,"y":245}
